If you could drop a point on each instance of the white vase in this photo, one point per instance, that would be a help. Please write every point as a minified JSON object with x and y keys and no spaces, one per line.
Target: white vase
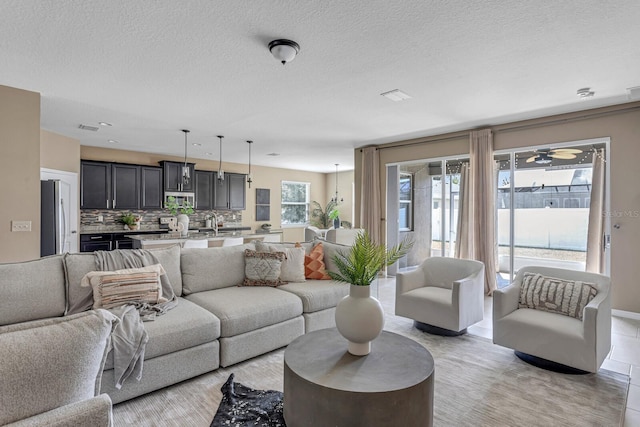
{"x":184,"y":220}
{"x":360,"y":319}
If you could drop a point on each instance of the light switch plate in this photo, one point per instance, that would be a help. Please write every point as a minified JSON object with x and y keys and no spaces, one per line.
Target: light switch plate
{"x":20,"y":225}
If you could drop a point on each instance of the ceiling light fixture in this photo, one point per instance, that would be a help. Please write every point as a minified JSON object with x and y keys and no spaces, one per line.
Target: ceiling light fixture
{"x":196,"y":144}
{"x":220,"y":171}
{"x":396,"y":95}
{"x":249,"y":176}
{"x":273,"y":154}
{"x":104,"y":124}
{"x":186,"y":177}
{"x":284,"y":50}
{"x":585,"y":93}
{"x":112,"y":141}
{"x":336,"y":197}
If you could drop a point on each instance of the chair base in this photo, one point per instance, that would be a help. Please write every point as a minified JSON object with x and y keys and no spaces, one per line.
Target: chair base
{"x":548,"y":365}
{"x":434,"y":330}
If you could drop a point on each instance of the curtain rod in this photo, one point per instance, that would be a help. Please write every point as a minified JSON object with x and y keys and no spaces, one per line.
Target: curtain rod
{"x":517,"y":128}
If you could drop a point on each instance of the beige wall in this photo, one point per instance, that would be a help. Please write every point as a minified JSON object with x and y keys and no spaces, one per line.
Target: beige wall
{"x":59,"y":152}
{"x":263,"y":177}
{"x":345,"y":190}
{"x":19,"y":173}
{"x":620,"y":123}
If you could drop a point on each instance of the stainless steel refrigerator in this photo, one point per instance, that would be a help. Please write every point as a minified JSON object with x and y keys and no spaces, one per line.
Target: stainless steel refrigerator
{"x":52,"y":218}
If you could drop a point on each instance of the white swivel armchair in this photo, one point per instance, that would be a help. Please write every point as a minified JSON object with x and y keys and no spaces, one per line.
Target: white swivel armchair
{"x":311,"y":232}
{"x":542,"y":337}
{"x":343,"y":236}
{"x":443,"y":295}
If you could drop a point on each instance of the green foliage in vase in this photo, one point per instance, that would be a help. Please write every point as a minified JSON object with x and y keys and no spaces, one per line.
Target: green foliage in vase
{"x":129,"y":219}
{"x":319,"y":216}
{"x":361,"y":264}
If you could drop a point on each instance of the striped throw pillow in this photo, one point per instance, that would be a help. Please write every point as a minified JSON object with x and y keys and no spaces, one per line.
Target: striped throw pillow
{"x":127,"y":286}
{"x":560,"y":296}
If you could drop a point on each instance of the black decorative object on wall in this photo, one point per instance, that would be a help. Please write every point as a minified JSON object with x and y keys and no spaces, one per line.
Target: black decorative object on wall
{"x":263,"y":204}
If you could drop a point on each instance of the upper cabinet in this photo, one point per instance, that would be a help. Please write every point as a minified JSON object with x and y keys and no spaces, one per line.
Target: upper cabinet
{"x":152,"y":187}
{"x":119,"y":186}
{"x":95,"y":185}
{"x":204,"y":183}
{"x":125,"y":186}
{"x":173,"y":176}
{"x":237,"y":195}
{"x":109,"y":186}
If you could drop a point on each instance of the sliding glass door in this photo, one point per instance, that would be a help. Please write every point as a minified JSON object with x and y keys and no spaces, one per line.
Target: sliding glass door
{"x":542,"y":205}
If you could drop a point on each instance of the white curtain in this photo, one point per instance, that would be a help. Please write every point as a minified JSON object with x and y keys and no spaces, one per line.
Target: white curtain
{"x":463,"y":243}
{"x":370,"y":195}
{"x":482,"y":235}
{"x":595,"y":232}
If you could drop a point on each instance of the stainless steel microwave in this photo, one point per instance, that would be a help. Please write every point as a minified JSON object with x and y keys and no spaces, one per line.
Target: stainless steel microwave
{"x":181,"y":197}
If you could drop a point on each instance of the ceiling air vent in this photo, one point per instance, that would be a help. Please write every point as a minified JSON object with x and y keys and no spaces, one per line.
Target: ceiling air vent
{"x":87,"y":127}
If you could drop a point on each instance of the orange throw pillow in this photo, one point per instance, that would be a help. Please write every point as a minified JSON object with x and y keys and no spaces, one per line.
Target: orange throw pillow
{"x":314,"y":267}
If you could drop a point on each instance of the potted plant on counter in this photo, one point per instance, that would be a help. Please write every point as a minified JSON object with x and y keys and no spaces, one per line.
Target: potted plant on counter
{"x":359,"y":316}
{"x":130,"y":221}
{"x":181,"y":212}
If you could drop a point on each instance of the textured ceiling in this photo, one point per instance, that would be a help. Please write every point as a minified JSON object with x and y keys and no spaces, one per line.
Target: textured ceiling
{"x":152,"y":68}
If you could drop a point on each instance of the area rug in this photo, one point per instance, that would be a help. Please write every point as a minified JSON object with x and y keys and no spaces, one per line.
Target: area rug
{"x":243,"y":406}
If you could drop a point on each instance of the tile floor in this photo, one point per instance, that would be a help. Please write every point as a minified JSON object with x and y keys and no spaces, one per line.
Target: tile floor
{"x":624,"y":357}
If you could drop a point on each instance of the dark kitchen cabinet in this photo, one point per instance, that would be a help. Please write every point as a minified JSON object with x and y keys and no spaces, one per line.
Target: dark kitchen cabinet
{"x":237,"y":195}
{"x":109,"y":185}
{"x":230,"y":194}
{"x":121,"y":241}
{"x":173,"y":176}
{"x":204,"y":185}
{"x":95,"y":242}
{"x":95,"y":185}
{"x":152,"y":190}
{"x":221,"y":192}
{"x":125,"y":186}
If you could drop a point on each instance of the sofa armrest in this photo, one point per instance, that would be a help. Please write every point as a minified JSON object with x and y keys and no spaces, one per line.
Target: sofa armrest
{"x":505,"y":301}
{"x":409,"y":280}
{"x":596,"y":322}
{"x":95,"y":412}
{"x":467,"y":290}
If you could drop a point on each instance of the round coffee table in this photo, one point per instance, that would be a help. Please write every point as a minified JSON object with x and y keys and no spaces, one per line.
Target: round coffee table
{"x":324,"y":385}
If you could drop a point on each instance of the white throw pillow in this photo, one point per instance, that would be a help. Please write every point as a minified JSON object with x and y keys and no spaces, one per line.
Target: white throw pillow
{"x":292,"y":269}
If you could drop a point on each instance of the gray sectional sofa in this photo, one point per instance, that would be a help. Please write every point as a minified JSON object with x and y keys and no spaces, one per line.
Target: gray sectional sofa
{"x":216,"y":322}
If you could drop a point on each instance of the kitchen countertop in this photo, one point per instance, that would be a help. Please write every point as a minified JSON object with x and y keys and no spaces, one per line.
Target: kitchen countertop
{"x":159,"y":230}
{"x":191,"y":236}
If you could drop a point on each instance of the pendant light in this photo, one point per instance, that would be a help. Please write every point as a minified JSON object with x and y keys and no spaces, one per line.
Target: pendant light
{"x":220,"y":171}
{"x":186,"y":176}
{"x":335,"y":198}
{"x":249,"y":177}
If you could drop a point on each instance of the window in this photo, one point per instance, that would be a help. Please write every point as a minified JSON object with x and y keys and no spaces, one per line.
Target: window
{"x":406,"y":202}
{"x":295,"y":203}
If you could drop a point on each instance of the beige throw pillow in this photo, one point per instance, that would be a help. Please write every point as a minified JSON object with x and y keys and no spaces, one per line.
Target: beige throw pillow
{"x":555,"y":295}
{"x":130,"y":285}
{"x":292,"y":269}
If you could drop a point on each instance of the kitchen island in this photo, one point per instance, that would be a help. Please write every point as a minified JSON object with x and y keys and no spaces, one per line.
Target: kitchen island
{"x":201,"y":239}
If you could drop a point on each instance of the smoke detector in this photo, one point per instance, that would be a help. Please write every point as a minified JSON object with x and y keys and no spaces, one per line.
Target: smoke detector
{"x":585,"y":93}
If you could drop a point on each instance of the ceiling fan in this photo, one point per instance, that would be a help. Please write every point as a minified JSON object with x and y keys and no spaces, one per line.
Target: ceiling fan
{"x":544,"y":156}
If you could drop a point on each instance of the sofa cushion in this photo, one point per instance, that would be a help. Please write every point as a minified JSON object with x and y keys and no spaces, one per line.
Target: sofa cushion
{"x":262,"y":268}
{"x":76,"y":266}
{"x":244,"y":309}
{"x":186,"y":325}
{"x":50,"y":363}
{"x":32,"y":290}
{"x":292,"y":269}
{"x":317,"y":295}
{"x":278,"y":246}
{"x":212,"y":268}
{"x":330,"y":251}
{"x":555,"y":295}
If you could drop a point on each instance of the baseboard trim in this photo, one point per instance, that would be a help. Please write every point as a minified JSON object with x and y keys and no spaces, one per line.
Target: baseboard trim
{"x":628,"y":314}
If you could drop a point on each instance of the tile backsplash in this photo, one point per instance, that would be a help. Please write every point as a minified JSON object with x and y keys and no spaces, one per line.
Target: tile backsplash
{"x":89,"y":219}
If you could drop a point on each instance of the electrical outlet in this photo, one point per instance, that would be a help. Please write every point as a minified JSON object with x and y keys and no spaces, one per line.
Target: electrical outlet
{"x":100,"y":218}
{"x":20,"y":225}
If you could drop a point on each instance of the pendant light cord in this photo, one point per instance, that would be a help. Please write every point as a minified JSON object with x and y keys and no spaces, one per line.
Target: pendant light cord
{"x":220,"y":171}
